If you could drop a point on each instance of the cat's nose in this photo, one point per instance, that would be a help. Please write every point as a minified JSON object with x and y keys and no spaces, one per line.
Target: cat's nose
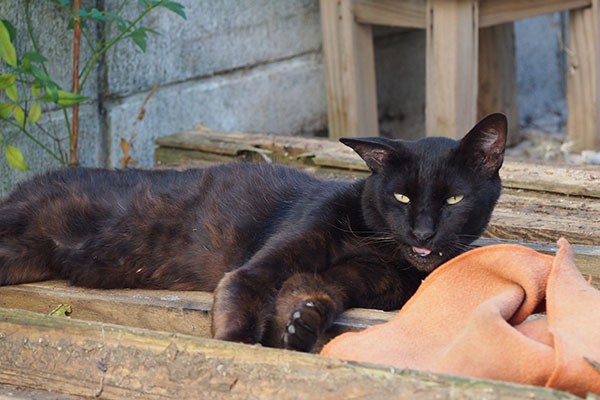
{"x":423,"y":233}
{"x":424,"y":228}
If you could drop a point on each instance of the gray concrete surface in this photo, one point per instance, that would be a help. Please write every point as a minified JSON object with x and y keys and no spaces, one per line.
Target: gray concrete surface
{"x":252,"y":66}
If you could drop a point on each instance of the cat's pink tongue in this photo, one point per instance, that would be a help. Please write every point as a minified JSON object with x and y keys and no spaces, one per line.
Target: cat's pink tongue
{"x":423,"y":252}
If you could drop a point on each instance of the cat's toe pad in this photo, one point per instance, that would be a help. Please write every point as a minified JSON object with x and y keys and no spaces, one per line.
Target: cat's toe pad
{"x":302,"y":330}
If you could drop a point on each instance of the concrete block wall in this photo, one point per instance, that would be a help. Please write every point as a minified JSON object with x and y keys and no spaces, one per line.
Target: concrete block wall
{"x":253,"y":66}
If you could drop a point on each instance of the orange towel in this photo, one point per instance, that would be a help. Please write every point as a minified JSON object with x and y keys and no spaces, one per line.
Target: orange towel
{"x":469,"y":318}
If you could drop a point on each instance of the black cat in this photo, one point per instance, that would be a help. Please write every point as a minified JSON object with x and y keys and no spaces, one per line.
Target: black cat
{"x":284,"y":251}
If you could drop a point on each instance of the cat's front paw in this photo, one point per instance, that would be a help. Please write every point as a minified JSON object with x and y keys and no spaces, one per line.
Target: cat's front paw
{"x":305,"y":325}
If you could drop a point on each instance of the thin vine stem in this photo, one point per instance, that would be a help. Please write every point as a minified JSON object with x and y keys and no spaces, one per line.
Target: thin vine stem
{"x":43,"y":146}
{"x":115,"y":40}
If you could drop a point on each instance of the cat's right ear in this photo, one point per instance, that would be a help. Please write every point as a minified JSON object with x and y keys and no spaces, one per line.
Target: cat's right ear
{"x":483,"y":147}
{"x":375,"y":151}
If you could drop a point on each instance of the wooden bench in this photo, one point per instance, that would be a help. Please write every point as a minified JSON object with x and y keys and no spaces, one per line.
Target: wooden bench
{"x":156,"y":344}
{"x":470,"y":62}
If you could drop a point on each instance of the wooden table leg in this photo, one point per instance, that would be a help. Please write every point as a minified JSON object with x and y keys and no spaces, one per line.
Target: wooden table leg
{"x":582,"y":78}
{"x":451,"y":76}
{"x":350,"y":71}
{"x":498,"y":76}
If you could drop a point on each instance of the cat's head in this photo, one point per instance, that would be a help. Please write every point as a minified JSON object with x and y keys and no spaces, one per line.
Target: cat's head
{"x":433,"y":196}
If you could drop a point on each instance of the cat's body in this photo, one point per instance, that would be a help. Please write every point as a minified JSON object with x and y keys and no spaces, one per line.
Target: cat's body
{"x":285,"y":252}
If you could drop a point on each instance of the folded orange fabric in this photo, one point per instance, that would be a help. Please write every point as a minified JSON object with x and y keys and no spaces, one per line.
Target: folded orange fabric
{"x":469,"y":318}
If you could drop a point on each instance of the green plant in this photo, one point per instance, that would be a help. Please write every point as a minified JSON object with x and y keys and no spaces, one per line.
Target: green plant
{"x":27,"y":84}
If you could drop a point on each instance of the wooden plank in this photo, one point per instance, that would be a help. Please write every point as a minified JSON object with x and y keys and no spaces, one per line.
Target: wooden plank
{"x":494,"y":12}
{"x":186,"y":312}
{"x":407,"y":13}
{"x":451,"y":71}
{"x":498,"y":76}
{"x":116,"y":362}
{"x":544,"y":217}
{"x":412,"y":13}
{"x":574,"y":180}
{"x":583,"y":117}
{"x":350,"y":71}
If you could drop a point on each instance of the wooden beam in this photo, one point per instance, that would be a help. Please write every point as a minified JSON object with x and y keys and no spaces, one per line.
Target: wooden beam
{"x":451,"y":76}
{"x":572,"y":180}
{"x":110,"y":361}
{"x":498,"y":76}
{"x":350,"y":72}
{"x":494,"y":12}
{"x":583,"y":103}
{"x":412,"y":13}
{"x":544,"y":217}
{"x":407,"y":13}
{"x":182,"y":312}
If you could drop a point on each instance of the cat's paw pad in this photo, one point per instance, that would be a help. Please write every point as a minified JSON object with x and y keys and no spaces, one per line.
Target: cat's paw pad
{"x":302,"y":329}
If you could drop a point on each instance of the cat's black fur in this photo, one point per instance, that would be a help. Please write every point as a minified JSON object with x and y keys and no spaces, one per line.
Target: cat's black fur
{"x":284,"y":251}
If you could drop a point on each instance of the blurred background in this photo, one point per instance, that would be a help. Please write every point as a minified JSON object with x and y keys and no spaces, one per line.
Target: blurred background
{"x":257,"y":66}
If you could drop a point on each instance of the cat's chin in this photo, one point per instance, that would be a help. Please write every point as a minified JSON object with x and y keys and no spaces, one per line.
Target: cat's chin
{"x":423,"y":259}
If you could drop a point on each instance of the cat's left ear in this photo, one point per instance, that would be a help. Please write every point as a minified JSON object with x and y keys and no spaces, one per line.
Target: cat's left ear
{"x":376,"y":151}
{"x":483,"y":146}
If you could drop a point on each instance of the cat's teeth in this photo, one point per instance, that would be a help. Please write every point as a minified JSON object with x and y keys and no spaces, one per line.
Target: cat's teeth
{"x":421,"y":251}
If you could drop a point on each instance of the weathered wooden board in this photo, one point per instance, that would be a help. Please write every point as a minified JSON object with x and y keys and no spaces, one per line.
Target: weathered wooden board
{"x":498,"y":77}
{"x":162,"y":310}
{"x":412,"y":13}
{"x":331,"y":155}
{"x":116,"y":362}
{"x":531,"y":216}
{"x":583,"y":92}
{"x":350,"y":70}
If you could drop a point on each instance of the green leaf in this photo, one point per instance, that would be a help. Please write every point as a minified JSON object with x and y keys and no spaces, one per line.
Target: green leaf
{"x":7,"y":50}
{"x":51,"y":95}
{"x":35,"y":57}
{"x":63,"y":98}
{"x":117,"y":18}
{"x":139,"y":37}
{"x":97,"y":15}
{"x":83,"y":13}
{"x":7,"y":80}
{"x":19,"y":115}
{"x":12,"y":32}
{"x":39,"y":74}
{"x":62,"y":310}
{"x":34,"y":113}
{"x":61,"y":2}
{"x":176,"y":7}
{"x":35,"y":89}
{"x":15,"y":158}
{"x":12,"y":93}
{"x":6,"y":109}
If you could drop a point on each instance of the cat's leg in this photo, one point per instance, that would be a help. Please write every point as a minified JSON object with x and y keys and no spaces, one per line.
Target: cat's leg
{"x":243,"y":305}
{"x":308,"y":304}
{"x":244,"y":300}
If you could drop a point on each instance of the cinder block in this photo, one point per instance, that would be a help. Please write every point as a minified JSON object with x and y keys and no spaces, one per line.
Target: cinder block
{"x":286,"y":97}
{"x":218,"y":36}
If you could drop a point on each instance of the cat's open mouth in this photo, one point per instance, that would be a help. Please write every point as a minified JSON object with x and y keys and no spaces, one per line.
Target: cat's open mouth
{"x":421,"y":251}
{"x":424,"y":259}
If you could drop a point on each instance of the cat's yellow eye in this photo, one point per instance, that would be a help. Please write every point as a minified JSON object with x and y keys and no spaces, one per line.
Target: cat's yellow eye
{"x":402,"y":198}
{"x":454,"y":199}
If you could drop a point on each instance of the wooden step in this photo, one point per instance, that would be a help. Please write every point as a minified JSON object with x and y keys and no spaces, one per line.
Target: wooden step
{"x":97,"y":359}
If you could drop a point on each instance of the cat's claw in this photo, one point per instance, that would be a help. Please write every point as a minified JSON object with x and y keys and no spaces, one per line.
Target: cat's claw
{"x":302,"y":329}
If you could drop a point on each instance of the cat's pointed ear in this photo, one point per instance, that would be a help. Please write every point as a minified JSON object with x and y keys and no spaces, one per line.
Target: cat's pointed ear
{"x":483,"y":146}
{"x":375,"y":151}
